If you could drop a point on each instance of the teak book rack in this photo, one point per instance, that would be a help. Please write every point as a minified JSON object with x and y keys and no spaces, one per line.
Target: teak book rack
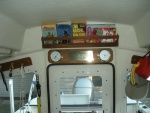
{"x":71,"y":45}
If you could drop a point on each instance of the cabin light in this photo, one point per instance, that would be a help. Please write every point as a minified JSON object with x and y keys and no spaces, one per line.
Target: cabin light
{"x":148,"y":78}
{"x":89,"y":57}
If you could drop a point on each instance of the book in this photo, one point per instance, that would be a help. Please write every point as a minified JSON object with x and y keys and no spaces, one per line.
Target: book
{"x":100,"y":30}
{"x":79,"y":29}
{"x":109,"y":30}
{"x":64,"y":30}
{"x":49,"y":30}
{"x":94,"y":30}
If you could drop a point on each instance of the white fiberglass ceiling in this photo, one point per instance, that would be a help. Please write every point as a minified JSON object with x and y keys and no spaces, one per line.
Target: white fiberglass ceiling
{"x":30,"y":13}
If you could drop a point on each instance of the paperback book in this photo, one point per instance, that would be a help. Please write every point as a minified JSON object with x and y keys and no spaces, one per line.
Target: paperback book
{"x":64,"y":30}
{"x":79,"y":29}
{"x":49,"y":30}
{"x":100,"y":30}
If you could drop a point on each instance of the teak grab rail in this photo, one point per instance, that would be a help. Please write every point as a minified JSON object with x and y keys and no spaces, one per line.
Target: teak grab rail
{"x":16,"y":63}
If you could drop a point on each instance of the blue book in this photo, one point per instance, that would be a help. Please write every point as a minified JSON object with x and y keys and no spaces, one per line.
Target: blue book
{"x":64,"y":30}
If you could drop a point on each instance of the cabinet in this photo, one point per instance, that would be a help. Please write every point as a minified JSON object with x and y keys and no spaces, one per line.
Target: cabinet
{"x":104,"y":41}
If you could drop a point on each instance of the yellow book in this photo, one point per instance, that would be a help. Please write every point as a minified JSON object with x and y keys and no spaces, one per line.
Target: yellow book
{"x":79,"y":29}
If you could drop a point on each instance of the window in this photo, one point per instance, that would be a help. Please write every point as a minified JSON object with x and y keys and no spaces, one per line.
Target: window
{"x":67,"y":85}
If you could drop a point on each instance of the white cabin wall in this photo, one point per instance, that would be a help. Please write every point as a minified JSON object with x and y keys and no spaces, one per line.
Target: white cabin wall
{"x":142,"y":28}
{"x":123,"y":66}
{"x":127,"y":41}
{"x":32,"y":40}
{"x":11,"y":33}
{"x":127,"y":38}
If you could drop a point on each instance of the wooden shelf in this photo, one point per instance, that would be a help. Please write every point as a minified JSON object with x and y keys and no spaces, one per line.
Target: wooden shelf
{"x":102,"y":43}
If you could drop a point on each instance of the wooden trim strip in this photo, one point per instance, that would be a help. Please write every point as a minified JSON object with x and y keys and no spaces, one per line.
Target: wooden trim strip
{"x":16,"y":64}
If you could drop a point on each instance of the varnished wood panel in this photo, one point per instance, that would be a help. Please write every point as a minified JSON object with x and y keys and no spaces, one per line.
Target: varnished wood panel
{"x":135,"y":59}
{"x":16,"y":63}
{"x":66,"y":59}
